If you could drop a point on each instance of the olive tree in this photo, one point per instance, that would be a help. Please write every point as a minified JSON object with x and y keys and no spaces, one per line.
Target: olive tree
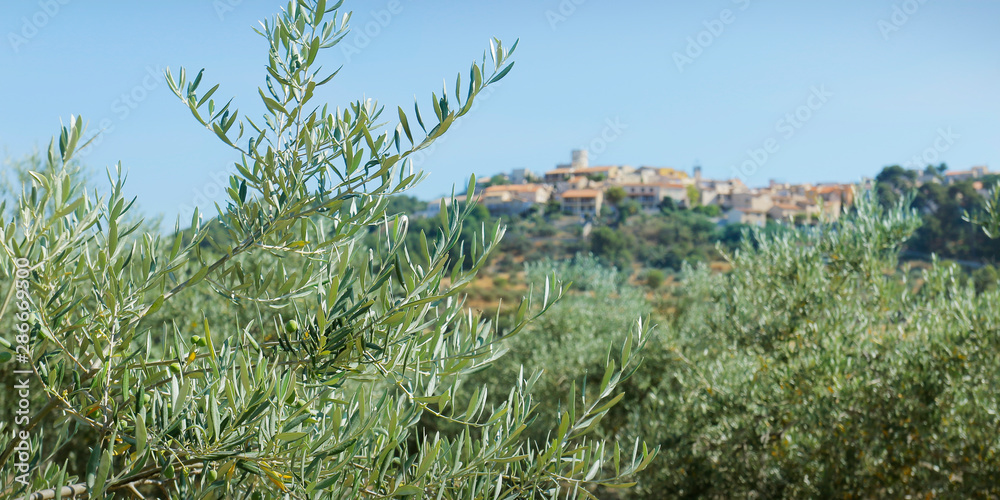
{"x":268,"y":352}
{"x":819,"y":366}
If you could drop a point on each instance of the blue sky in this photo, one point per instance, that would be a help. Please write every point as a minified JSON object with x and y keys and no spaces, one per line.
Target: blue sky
{"x":790,"y":90}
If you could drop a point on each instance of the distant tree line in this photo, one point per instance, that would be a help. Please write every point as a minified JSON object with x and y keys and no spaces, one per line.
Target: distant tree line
{"x":941,"y":206}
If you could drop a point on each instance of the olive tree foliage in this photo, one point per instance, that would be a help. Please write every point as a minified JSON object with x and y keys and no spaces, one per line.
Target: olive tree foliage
{"x":989,"y":220}
{"x":268,"y":352}
{"x":818,"y":367}
{"x":574,"y":342}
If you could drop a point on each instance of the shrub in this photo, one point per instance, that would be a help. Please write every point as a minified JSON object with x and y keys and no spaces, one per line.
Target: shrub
{"x":615,"y":195}
{"x":985,"y":278}
{"x":654,"y":278}
{"x":708,"y":210}
{"x":545,"y":230}
{"x":612,"y":246}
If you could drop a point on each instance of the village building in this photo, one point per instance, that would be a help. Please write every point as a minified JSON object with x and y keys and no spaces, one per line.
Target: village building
{"x":785,"y":212}
{"x":610,"y":172}
{"x":558,"y":175}
{"x":756,"y":201}
{"x":650,"y":175}
{"x":514,"y":199}
{"x":582,"y":201}
{"x":746,"y":216}
{"x":965,"y":175}
{"x":718,"y":192}
{"x":579,"y":188}
{"x":650,"y":196}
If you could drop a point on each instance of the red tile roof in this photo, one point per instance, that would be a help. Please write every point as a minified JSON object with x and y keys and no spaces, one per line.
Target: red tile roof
{"x":514,"y":188}
{"x":594,"y":170}
{"x":581,"y":193}
{"x":786,"y":206}
{"x":963,"y":172}
{"x":672,"y":185}
{"x":559,"y":171}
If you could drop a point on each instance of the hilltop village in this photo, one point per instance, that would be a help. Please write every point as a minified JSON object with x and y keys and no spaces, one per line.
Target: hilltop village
{"x":581,"y":189}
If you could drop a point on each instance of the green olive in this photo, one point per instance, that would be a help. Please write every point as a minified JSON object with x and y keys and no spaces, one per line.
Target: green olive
{"x":212,"y":475}
{"x":168,"y":471}
{"x":291,"y":326}
{"x":175,"y":367}
{"x":198,"y":340}
{"x":144,"y":400}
